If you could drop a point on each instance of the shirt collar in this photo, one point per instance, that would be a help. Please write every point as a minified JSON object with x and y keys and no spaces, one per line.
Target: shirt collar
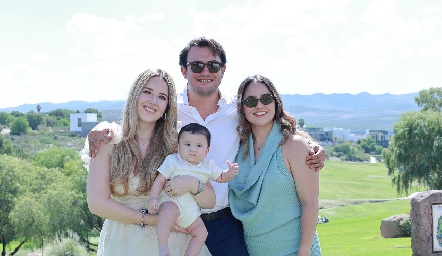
{"x":183,"y":98}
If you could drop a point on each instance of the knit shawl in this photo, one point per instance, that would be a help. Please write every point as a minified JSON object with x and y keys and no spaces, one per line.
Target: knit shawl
{"x":263,"y":195}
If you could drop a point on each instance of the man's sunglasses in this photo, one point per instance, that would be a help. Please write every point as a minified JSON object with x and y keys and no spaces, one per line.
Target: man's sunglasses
{"x":197,"y":66}
{"x":265,"y":99}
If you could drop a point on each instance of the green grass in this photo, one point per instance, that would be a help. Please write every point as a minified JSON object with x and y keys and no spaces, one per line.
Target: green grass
{"x":355,"y":197}
{"x":348,"y":183}
{"x":355,"y":230}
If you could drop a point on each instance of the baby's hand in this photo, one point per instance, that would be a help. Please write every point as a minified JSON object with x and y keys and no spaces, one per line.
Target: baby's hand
{"x":233,"y":168}
{"x":153,"y":205}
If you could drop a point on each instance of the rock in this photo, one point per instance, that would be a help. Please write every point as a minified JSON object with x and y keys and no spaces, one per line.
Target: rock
{"x":390,"y":227}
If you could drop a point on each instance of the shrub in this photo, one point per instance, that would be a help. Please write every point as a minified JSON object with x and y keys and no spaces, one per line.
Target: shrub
{"x":69,"y":246}
{"x":406,"y":226}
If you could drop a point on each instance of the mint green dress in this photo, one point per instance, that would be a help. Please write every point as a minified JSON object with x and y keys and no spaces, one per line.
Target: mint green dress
{"x":263,"y":197}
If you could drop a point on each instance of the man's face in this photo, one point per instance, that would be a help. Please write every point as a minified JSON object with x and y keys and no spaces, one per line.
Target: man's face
{"x":203,"y":84}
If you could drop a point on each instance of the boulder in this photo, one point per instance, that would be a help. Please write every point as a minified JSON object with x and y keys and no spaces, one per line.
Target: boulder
{"x":390,"y":227}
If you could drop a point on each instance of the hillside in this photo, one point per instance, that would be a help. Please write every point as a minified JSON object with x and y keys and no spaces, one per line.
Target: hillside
{"x":356,"y":112}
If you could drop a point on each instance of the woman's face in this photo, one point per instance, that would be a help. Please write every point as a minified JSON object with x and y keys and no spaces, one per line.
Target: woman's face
{"x":153,"y":100}
{"x":261,"y":114}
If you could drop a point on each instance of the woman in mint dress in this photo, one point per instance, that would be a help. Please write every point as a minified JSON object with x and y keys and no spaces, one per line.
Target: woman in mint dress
{"x":274,"y":195}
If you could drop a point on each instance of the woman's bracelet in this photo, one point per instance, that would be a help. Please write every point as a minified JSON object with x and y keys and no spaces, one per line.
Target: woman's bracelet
{"x":200,"y":189}
{"x":144,"y":212}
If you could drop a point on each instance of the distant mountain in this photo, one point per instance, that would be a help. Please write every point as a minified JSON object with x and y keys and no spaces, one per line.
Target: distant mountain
{"x":71,"y":105}
{"x":357,"y":112}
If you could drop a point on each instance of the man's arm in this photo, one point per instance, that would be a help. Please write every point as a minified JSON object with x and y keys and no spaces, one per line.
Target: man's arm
{"x":315,"y":159}
{"x":103,"y":131}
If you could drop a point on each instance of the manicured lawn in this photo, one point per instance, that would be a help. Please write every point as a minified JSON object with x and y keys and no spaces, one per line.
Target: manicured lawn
{"x":355,"y":230}
{"x":344,"y":182}
{"x":354,"y":227}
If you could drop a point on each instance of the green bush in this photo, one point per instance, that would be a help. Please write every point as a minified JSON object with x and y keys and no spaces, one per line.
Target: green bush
{"x":406,"y":226}
{"x":69,"y":246}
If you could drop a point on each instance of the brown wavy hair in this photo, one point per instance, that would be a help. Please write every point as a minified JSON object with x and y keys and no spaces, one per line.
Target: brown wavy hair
{"x":126,"y":155}
{"x":287,"y":122}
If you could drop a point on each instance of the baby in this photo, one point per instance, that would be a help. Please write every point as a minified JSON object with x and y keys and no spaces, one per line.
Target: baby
{"x":193,"y":147}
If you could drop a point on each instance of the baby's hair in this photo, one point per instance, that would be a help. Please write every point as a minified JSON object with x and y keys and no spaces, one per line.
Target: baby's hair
{"x":195,"y":128}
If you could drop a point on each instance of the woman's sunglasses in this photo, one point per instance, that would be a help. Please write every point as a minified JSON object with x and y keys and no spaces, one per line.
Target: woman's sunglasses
{"x":197,"y":66}
{"x":265,"y":99}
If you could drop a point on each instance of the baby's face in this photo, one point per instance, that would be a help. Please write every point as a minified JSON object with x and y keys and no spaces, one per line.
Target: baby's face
{"x":193,"y":147}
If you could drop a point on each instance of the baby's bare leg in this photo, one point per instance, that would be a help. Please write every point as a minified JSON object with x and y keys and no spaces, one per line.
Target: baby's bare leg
{"x":167,"y":215}
{"x":199,"y":234}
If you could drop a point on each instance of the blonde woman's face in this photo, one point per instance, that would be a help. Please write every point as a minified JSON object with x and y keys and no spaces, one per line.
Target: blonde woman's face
{"x":153,"y":100}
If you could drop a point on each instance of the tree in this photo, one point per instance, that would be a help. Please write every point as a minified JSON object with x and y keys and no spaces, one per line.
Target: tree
{"x":301,"y":123}
{"x":61,"y":113}
{"x":19,"y":126}
{"x":16,"y":113}
{"x":50,"y":121}
{"x":55,"y":157}
{"x":70,"y":194}
{"x":9,"y":189}
{"x":5,"y":118}
{"x":430,"y":99}
{"x":348,"y":151}
{"x":63,"y":122}
{"x":415,"y":152}
{"x":39,"y":202}
{"x":6,"y":146}
{"x":38,"y":108}
{"x":34,"y":119}
{"x":369,"y":146}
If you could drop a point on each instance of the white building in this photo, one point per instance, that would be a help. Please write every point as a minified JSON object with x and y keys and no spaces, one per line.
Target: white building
{"x":344,"y":134}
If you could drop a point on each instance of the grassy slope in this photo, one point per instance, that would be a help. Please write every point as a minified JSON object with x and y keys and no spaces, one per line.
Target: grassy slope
{"x":354,"y":227}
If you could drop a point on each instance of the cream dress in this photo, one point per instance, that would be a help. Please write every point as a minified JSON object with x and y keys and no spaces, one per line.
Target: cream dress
{"x":118,"y":238}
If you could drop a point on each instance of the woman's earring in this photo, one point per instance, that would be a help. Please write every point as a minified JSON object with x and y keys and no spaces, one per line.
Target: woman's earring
{"x":165,"y":115}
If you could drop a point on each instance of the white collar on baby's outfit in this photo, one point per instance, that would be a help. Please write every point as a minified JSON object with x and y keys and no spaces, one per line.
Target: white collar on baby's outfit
{"x":200,"y":164}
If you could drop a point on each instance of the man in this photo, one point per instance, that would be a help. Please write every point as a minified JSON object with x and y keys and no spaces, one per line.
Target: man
{"x":203,"y":63}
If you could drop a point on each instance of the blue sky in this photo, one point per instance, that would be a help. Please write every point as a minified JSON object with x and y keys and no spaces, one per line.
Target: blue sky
{"x":59,"y":51}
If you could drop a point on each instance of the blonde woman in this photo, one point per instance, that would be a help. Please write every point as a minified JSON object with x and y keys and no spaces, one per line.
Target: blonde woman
{"x":121,"y":174}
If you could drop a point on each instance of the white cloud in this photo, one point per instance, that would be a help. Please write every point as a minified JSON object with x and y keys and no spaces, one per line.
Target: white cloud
{"x":432,"y":9}
{"x":431,"y":26}
{"x":433,"y":49}
{"x":39,"y":57}
{"x":152,"y":17}
{"x":6,"y":77}
{"x":99,"y":37}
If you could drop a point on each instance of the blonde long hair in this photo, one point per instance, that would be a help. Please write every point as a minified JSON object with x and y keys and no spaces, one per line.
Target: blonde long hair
{"x":126,"y":155}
